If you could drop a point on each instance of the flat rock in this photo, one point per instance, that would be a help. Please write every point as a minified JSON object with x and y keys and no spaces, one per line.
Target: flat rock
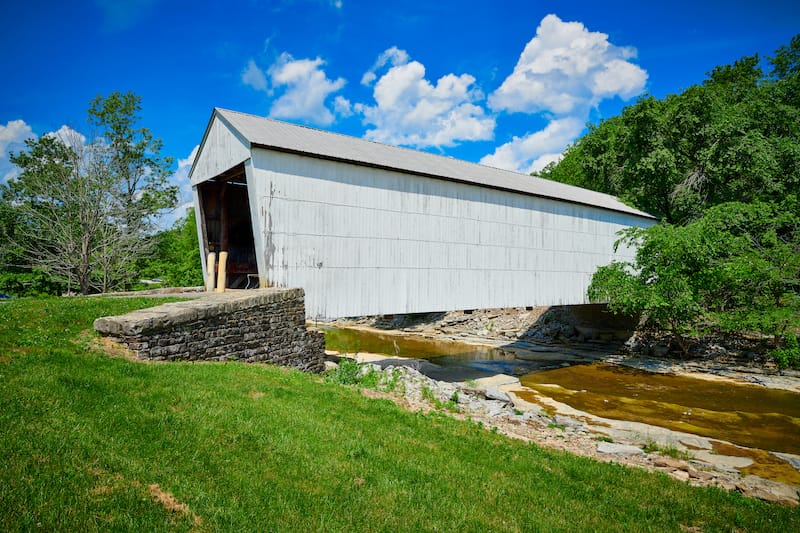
{"x":496,"y":381}
{"x":680,"y":475}
{"x":780,"y":491}
{"x":728,"y":461}
{"x":695,"y":441}
{"x":613,"y":448}
{"x":792,"y":459}
{"x":493,"y":393}
{"x":567,"y":422}
{"x":668,"y":462}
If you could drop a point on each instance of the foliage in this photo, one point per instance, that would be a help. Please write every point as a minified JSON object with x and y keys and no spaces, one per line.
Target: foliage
{"x":719,"y":164}
{"x":176,"y":255}
{"x":668,"y":450}
{"x":19,"y":282}
{"x":139,"y":171}
{"x":82,"y":210}
{"x":350,"y":372}
{"x":735,"y":136}
{"x":789,"y":355}
{"x":735,"y":269}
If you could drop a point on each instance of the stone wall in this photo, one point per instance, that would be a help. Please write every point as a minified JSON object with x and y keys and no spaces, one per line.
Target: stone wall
{"x":266,"y":325}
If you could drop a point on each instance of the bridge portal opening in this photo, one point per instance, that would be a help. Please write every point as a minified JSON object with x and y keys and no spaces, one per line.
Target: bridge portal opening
{"x":228,"y":227}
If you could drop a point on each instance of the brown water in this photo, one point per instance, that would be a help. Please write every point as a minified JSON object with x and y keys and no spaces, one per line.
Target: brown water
{"x":458,"y":360}
{"x":746,"y":415}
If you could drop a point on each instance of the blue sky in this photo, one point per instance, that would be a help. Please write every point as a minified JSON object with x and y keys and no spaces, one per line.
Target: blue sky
{"x":506,"y":83}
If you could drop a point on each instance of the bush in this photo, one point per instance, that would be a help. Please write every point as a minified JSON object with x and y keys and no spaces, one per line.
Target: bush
{"x":789,"y":355}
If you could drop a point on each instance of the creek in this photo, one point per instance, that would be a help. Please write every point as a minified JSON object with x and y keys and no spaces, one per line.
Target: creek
{"x":746,"y":415}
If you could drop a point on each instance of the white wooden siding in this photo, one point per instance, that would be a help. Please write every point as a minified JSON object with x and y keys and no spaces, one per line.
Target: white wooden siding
{"x":222,"y":149}
{"x":364,"y":241}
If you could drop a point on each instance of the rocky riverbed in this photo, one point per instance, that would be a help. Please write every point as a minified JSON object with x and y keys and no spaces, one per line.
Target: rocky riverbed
{"x":500,"y":402}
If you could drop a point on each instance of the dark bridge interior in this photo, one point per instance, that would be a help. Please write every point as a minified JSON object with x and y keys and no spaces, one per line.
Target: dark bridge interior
{"x":227,"y":226}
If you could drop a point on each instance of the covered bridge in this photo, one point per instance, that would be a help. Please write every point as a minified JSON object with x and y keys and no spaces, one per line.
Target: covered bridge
{"x":367,"y":228}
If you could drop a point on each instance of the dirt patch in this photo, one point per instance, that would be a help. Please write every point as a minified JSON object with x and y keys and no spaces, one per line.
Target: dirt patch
{"x":105,"y":345}
{"x":254,"y":394}
{"x":171,"y":504}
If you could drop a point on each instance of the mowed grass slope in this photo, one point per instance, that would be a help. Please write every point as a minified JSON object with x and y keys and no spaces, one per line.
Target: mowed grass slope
{"x":89,"y":442}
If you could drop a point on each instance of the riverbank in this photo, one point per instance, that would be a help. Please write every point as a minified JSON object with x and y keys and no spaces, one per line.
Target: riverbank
{"x":534,"y":415}
{"x":590,"y":332}
{"x":93,"y":442}
{"x":501,"y":404}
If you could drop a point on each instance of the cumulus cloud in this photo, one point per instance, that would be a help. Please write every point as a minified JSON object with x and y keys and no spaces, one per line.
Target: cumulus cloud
{"x":568,"y":69}
{"x":562,"y":73}
{"x":392,"y":56}
{"x":411,"y":110}
{"x":532,"y":152}
{"x":306,"y":87}
{"x":180,"y":178}
{"x":303,"y":88}
{"x":68,"y":136}
{"x":12,"y":139}
{"x":342,"y":106}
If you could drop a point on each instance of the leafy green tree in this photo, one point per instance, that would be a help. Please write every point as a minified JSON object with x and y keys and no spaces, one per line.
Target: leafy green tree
{"x":140,"y":172}
{"x":176,"y":256}
{"x":735,"y":136}
{"x":735,"y":269}
{"x":664,"y":284}
{"x":83,"y":211}
{"x":719,"y":164}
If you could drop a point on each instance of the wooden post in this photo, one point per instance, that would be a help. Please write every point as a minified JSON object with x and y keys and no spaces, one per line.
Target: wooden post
{"x":221,"y":274}
{"x":210,"y":269}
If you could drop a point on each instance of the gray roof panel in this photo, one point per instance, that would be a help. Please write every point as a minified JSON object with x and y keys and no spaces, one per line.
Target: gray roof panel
{"x":283,"y":136}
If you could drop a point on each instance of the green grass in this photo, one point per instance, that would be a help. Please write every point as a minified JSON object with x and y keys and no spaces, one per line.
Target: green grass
{"x":84,"y":437}
{"x":667,"y":450}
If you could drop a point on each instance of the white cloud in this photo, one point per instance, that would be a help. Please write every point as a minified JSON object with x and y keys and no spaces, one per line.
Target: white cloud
{"x":410,"y":110}
{"x":12,"y":139}
{"x":12,"y":134}
{"x":303,"y":87}
{"x":567,"y":69}
{"x":180,"y":178}
{"x":68,"y":136}
{"x":562,"y":73}
{"x":534,"y":151}
{"x":393,"y":56}
{"x":254,"y":77}
{"x":342,"y":106}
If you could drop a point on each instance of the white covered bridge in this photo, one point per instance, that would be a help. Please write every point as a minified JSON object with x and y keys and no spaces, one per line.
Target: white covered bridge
{"x":370,"y":229}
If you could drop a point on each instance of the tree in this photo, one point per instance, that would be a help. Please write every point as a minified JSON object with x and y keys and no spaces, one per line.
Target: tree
{"x":141,"y":188}
{"x":176,"y":255}
{"x":140,"y":173}
{"x":62,"y":198}
{"x":719,"y":164}
{"x":84,"y":210}
{"x":734,"y":136}
{"x":735,"y":269}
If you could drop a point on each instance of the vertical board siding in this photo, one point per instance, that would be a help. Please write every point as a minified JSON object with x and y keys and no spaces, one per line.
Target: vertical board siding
{"x":364,"y":241}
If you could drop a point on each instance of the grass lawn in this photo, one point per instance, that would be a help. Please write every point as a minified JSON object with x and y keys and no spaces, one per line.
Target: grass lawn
{"x":90,"y":442}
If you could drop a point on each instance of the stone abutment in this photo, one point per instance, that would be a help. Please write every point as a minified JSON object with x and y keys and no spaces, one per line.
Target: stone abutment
{"x":266,"y":325}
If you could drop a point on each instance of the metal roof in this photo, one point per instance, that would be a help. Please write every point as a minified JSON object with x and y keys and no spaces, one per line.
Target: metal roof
{"x":282,"y":136}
